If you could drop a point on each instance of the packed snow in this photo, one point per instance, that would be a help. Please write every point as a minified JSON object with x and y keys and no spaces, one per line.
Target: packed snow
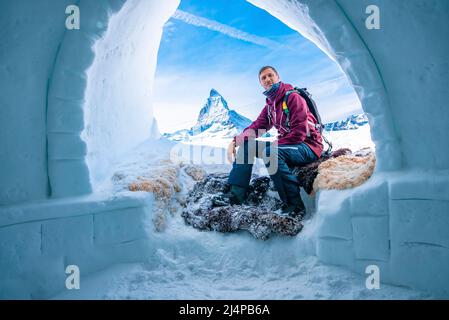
{"x":193,"y":264}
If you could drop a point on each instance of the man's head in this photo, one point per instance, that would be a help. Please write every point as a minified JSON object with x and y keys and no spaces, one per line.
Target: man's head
{"x":268,"y":76}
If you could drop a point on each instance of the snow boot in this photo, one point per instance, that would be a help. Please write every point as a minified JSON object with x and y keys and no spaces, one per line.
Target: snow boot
{"x":294,"y":210}
{"x":235,"y":196}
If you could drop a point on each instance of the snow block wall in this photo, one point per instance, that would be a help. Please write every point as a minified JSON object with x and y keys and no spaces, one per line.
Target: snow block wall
{"x":67,"y":167}
{"x":100,"y":94}
{"x":397,"y":221}
{"x":39,"y":240}
{"x":24,"y":83}
{"x":118,"y":100}
{"x":71,"y":101}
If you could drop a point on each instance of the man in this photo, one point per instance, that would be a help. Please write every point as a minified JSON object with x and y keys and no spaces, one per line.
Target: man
{"x":299,"y":143}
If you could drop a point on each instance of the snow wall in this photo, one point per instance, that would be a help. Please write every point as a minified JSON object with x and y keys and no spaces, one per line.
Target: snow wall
{"x":74,"y":100}
{"x":397,"y":221}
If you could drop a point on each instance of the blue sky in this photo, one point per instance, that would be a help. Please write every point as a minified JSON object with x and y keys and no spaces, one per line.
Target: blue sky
{"x":222,"y":45}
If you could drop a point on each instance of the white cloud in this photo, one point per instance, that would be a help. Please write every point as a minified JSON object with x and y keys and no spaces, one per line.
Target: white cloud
{"x":328,"y":87}
{"x":224,"y":29}
{"x":338,"y":106}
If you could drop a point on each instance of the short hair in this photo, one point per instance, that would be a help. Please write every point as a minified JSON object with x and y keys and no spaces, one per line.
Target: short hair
{"x":267,"y":67}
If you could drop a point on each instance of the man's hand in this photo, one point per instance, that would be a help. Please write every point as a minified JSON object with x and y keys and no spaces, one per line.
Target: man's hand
{"x":231,"y":152}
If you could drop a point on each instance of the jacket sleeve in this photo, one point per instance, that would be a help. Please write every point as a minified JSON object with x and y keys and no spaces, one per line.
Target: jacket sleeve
{"x":253,"y":131}
{"x":298,"y":120}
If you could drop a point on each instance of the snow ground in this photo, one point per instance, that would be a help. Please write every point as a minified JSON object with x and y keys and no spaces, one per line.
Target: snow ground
{"x":352,"y":139}
{"x":309,"y":280}
{"x":193,"y":264}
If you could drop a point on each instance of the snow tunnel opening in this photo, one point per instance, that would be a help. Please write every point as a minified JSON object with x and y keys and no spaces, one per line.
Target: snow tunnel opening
{"x":199,"y":73}
{"x":132,"y":39}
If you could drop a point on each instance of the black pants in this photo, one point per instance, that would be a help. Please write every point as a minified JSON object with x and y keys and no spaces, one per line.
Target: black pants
{"x":278,"y":159}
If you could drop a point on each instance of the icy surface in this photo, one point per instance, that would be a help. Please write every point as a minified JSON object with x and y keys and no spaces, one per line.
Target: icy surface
{"x":118,"y":107}
{"x":183,"y":277}
{"x":23,"y":79}
{"x":192,"y":264}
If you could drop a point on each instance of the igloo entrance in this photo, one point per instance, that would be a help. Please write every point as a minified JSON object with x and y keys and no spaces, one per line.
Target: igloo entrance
{"x":107,"y":132}
{"x":378,"y":223}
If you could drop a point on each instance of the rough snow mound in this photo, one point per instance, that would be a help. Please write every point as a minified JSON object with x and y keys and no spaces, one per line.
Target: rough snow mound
{"x":257,"y":215}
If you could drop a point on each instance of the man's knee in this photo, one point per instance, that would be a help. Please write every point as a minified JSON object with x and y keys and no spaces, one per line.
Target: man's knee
{"x":266,"y":151}
{"x":272,"y":151}
{"x":271,"y":159}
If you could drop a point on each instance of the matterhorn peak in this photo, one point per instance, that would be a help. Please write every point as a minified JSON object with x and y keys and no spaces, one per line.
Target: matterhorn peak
{"x":215,"y":118}
{"x":216,"y":100}
{"x":214,"y":93}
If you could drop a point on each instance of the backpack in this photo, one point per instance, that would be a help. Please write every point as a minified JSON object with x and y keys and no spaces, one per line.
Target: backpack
{"x":312,"y":108}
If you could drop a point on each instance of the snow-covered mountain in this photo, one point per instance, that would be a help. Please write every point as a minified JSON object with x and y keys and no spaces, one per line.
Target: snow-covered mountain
{"x":352,"y":122}
{"x":215,"y":120}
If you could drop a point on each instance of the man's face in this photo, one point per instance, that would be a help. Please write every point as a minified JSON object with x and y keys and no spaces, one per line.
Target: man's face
{"x":267,"y":78}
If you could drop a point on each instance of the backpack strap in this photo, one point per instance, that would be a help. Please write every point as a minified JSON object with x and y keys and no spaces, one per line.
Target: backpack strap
{"x":285,"y":108}
{"x":310,"y":104}
{"x":287,"y":112}
{"x":269,"y":115}
{"x":312,"y":108}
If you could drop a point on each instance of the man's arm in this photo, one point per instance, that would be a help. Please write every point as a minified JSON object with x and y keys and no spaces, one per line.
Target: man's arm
{"x":251,"y":132}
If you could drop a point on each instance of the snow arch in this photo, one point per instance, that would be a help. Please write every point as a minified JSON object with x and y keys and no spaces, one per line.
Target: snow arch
{"x":101,"y":84}
{"x":398,"y":220}
{"x":97,"y":80}
{"x":367,"y":226}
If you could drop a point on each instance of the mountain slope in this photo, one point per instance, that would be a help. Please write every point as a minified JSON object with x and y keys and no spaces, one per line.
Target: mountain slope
{"x":215,"y":120}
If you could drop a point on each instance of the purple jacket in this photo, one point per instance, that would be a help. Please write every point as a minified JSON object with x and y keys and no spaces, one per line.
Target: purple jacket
{"x":301,"y":128}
